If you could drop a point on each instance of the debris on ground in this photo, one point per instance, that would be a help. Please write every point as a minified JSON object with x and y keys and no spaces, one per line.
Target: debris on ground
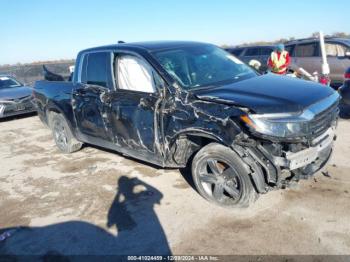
{"x":326,"y":174}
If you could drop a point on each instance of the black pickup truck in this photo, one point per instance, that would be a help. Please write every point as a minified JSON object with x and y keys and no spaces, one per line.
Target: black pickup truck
{"x":178,"y":104}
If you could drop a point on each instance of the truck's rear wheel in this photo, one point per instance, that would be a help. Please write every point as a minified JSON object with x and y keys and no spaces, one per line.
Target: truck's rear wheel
{"x":221,"y":177}
{"x":62,"y":134}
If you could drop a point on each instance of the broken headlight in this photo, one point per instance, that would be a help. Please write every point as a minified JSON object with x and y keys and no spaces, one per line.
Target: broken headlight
{"x":278,"y":125}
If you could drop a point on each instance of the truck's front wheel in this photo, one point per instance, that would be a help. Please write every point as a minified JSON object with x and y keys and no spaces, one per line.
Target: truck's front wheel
{"x":62,"y":134}
{"x":221,"y":177}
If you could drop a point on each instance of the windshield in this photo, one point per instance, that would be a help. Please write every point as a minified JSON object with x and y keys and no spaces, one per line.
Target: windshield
{"x":6,"y":82}
{"x":203,"y":65}
{"x":348,"y":43}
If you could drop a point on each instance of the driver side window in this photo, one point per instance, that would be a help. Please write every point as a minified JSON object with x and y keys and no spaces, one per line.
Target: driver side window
{"x":133,"y":73}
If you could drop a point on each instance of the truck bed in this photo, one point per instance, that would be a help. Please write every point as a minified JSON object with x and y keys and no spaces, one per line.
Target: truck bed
{"x":57,"y":94}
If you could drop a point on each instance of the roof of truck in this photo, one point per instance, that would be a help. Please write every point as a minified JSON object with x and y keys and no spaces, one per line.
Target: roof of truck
{"x":150,"y":45}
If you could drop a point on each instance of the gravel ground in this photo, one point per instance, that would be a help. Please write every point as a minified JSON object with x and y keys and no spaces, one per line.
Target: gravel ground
{"x":98,"y":202}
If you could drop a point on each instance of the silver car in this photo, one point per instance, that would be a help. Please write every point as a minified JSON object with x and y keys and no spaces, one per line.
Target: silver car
{"x":306,"y":53}
{"x":15,"y":98}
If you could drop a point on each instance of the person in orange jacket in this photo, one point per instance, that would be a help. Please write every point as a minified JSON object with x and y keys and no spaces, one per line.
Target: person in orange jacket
{"x":279,"y":60}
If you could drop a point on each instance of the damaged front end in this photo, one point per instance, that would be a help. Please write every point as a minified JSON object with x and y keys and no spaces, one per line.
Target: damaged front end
{"x":280,"y":149}
{"x":16,"y":106}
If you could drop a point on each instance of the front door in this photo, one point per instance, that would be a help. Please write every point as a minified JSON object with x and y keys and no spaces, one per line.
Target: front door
{"x":135,"y":107}
{"x":337,"y":61}
{"x":91,"y":109}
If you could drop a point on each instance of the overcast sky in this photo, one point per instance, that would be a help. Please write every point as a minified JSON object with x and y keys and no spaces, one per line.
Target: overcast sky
{"x":33,"y":30}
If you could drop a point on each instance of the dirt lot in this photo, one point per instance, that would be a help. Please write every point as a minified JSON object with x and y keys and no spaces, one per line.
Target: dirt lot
{"x":98,"y":202}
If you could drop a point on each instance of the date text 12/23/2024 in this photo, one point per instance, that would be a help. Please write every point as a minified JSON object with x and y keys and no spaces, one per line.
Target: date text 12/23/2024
{"x":173,"y":258}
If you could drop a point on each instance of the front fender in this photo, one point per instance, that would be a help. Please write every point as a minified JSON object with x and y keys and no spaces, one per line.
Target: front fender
{"x":214,"y":120}
{"x":211,"y":121}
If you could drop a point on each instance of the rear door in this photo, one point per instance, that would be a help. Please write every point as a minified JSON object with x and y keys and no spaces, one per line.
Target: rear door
{"x":91,"y":110}
{"x":337,"y":60}
{"x":308,"y":57}
{"x":346,"y":59}
{"x":335,"y":55}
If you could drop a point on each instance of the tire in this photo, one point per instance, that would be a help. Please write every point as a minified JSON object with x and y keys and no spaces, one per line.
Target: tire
{"x":62,"y":134}
{"x":221,"y":177}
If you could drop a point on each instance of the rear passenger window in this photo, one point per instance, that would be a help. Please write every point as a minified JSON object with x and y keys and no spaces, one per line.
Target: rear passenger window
{"x":236,"y":52}
{"x":331,"y":49}
{"x":335,"y":50}
{"x":97,"y":69}
{"x":266,"y":51}
{"x":252,"y":52}
{"x":305,"y":50}
{"x":341,"y":50}
{"x":290,"y":49}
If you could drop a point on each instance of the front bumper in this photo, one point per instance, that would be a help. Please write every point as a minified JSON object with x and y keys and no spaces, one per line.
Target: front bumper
{"x":274,"y":164}
{"x":12,"y":108}
{"x":321,"y":146}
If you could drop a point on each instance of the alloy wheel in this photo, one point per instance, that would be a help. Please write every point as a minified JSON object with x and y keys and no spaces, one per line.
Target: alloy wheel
{"x":220,"y":181}
{"x":60,"y":135}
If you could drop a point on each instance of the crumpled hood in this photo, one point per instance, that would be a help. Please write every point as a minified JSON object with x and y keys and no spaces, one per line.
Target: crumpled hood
{"x":268,"y":94}
{"x":15,"y":92}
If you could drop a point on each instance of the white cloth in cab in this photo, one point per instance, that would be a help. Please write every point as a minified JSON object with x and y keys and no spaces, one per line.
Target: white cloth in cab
{"x":135,"y":74}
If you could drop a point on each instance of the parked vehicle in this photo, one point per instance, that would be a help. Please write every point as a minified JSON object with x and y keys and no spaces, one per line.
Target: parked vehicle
{"x":306,"y":54}
{"x":248,"y":53}
{"x":15,"y":98}
{"x":178,"y":104}
{"x":344,"y":90}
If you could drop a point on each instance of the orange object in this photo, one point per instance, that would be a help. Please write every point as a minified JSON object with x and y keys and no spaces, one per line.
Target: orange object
{"x":248,"y":121}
